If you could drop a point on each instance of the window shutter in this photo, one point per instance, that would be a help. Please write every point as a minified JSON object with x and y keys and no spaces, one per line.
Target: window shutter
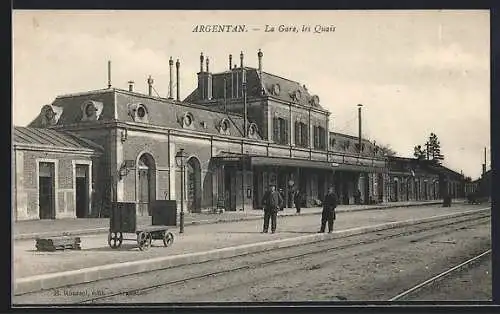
{"x":323,"y":138}
{"x":320,"y":137}
{"x":315,"y":137}
{"x":305,"y":135}
{"x":287,"y":132}
{"x":275,"y":130}
{"x":297,"y":133}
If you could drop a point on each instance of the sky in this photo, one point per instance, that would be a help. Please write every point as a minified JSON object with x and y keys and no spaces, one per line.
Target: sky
{"x":415,"y":72}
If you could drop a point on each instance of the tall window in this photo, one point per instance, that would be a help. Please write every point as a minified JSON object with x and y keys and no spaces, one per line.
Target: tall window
{"x":319,"y":137}
{"x":305,"y":135}
{"x":280,"y":131}
{"x":301,"y":134}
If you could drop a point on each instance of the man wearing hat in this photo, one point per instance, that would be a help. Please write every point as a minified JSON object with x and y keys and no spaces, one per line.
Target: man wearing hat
{"x":328,"y":214}
{"x":272,"y":203}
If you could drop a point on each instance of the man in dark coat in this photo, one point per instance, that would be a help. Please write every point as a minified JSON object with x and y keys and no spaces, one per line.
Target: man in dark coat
{"x":272,"y":202}
{"x":328,"y":214}
{"x":297,"y":199}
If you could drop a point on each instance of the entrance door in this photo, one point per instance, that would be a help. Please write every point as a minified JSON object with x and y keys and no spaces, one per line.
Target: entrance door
{"x":46,"y":191}
{"x":193,"y":186}
{"x":426,"y":196}
{"x":143,"y":190}
{"x":230,"y":185}
{"x":82,"y":191}
{"x":257,"y":196}
{"x":395,"y":189}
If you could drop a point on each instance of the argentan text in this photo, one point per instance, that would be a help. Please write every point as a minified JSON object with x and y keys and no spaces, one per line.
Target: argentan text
{"x":220,"y":28}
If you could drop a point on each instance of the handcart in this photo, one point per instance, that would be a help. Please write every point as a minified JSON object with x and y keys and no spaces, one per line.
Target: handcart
{"x":123,"y":220}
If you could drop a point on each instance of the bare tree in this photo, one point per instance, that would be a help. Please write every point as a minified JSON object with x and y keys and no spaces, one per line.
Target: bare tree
{"x":386,"y":150}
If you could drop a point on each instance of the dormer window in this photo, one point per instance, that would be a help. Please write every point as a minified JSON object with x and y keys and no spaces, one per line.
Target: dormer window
{"x":50,"y":115}
{"x":346,"y":145}
{"x":91,"y":110}
{"x":298,"y":95}
{"x":252,"y":130}
{"x":224,"y":126}
{"x":276,"y":89}
{"x":187,"y":120}
{"x":139,"y":113}
{"x":315,"y":100}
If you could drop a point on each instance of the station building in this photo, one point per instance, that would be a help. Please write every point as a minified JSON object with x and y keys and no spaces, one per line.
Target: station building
{"x":241,"y":129}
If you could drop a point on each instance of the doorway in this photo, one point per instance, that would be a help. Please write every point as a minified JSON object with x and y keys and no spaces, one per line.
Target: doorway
{"x":193,"y":169}
{"x":82,"y":191}
{"x":426,"y":191}
{"x":230,"y":186}
{"x":46,"y":191}
{"x":396,"y":190}
{"x":146,"y":183}
{"x":257,"y":196}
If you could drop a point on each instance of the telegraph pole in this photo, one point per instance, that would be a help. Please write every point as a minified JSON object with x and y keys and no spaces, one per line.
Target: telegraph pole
{"x":359,"y":122}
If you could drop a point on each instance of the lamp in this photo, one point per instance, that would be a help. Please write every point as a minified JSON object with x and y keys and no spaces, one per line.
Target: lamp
{"x":123,"y":172}
{"x":125,"y":168}
{"x":124,"y":135}
{"x":179,"y":160}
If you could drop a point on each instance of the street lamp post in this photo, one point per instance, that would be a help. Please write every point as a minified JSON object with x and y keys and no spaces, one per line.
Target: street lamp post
{"x":179,"y":159}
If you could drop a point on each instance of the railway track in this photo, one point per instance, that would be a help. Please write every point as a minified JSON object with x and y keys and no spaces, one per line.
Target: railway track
{"x":429,"y":282}
{"x":437,"y":228}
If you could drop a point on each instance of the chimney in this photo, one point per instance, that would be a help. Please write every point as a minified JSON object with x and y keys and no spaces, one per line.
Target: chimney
{"x":150,"y":86}
{"x":230,"y":62}
{"x":109,"y":73}
{"x":241,"y":60}
{"x":201,"y":62}
{"x":207,"y":65}
{"x":178,"y":65}
{"x":170,"y":91}
{"x":130,"y":86}
{"x":259,"y":54}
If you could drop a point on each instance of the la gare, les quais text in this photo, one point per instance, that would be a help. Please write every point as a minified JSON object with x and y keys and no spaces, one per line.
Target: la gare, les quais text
{"x":296,"y":29}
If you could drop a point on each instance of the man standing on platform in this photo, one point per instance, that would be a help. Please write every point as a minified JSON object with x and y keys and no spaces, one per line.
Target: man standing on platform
{"x":297,"y":199}
{"x":328,"y":214}
{"x":272,"y":203}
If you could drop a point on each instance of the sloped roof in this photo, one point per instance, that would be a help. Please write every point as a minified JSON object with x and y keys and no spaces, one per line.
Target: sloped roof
{"x":259,"y":85}
{"x":444,"y":170}
{"x":114,"y":105}
{"x":68,"y":107}
{"x":49,"y":137}
{"x":288,"y":90}
{"x":348,"y":144}
{"x":169,"y":113}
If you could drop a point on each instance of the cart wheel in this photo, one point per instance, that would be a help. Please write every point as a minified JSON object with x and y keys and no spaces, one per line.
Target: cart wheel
{"x":115,"y":239}
{"x":168,"y":239}
{"x":144,"y":241}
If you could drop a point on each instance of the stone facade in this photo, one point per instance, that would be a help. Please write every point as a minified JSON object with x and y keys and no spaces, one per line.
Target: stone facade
{"x":46,"y":178}
{"x":230,"y":161}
